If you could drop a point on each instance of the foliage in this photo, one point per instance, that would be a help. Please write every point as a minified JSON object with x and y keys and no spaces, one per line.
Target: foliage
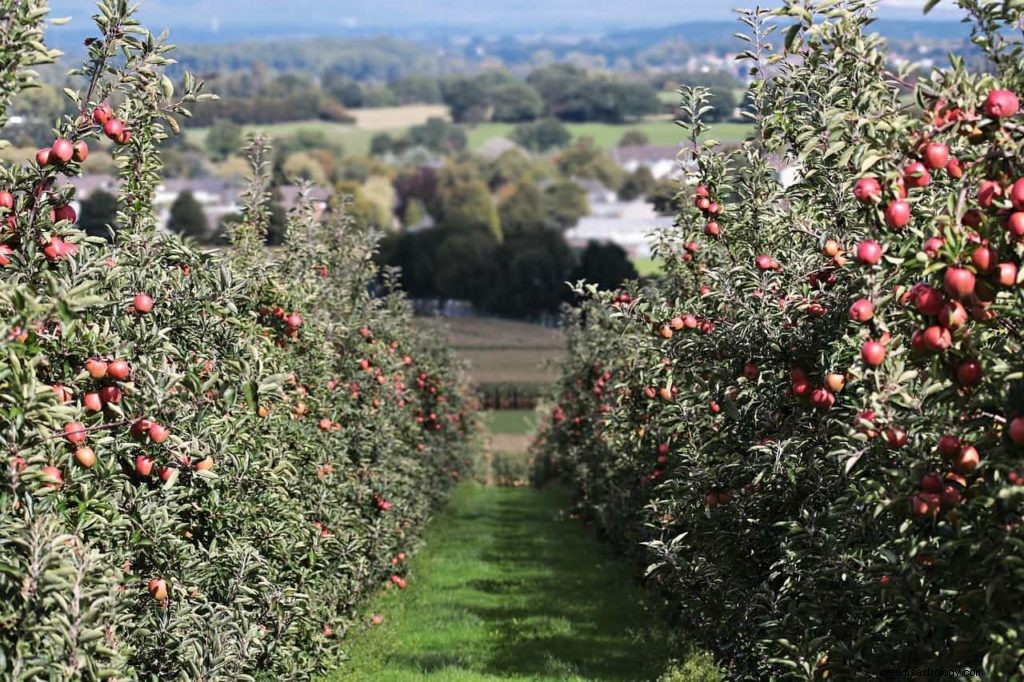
{"x":542,"y":135}
{"x":605,"y":265}
{"x":223,"y":139}
{"x":817,"y":442}
{"x":97,"y":216}
{"x":214,"y":506}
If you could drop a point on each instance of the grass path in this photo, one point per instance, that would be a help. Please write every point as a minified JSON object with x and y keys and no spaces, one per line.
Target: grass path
{"x":507,"y":588}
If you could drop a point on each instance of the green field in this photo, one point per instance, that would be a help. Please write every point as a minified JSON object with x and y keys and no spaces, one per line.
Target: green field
{"x":507,"y":587}
{"x":501,"y":351}
{"x":355,"y":141}
{"x":510,"y":422}
{"x":646,"y":267}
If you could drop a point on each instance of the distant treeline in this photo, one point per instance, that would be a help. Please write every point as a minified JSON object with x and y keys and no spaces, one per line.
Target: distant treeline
{"x":561,"y":91}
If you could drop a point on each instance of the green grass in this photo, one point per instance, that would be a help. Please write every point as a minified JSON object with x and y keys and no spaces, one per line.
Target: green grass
{"x":507,"y":588}
{"x":510,"y":422}
{"x":355,"y":141}
{"x":646,"y":267}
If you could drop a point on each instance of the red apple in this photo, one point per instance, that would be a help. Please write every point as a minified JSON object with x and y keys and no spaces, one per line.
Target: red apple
{"x":81,"y":151}
{"x":61,"y":150}
{"x":1006,"y":274}
{"x":927,"y":300}
{"x":158,"y":433}
{"x":53,"y":477}
{"x":867,"y":190}
{"x":897,"y":214}
{"x":936,"y":156}
{"x":92,"y":402}
{"x":937,"y":339}
{"x":1001,"y":104}
{"x":1016,"y":431}
{"x":96,"y":368}
{"x":119,"y":370}
{"x":65,"y":212}
{"x":113,"y":129}
{"x":111,"y":394}
{"x":143,"y":465}
{"x":926,"y":504}
{"x":959,"y":282}
{"x":916,"y":175}
{"x":712,"y":229}
{"x":988,"y":192}
{"x":953,"y":315}
{"x":955,"y":170}
{"x":895,"y":437}
{"x":869,"y":252}
{"x":984,"y":259}
{"x":85,"y":457}
{"x":949,"y":446}
{"x":43,"y":157}
{"x":74,"y":433}
{"x":6,"y":199}
{"x":1017,"y":194}
{"x":142,"y":303}
{"x":102,"y":113}
{"x":969,"y":373}
{"x":966,"y":459}
{"x":158,"y":589}
{"x":932,"y":483}
{"x":862,"y":310}
{"x":873,"y":353}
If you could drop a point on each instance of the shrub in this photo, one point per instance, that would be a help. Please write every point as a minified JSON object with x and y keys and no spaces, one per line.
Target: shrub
{"x":211,"y":457}
{"x":817,"y":441}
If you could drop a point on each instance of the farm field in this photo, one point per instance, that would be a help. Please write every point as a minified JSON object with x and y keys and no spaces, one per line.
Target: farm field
{"x":647,"y":267}
{"x":355,"y":138}
{"x":501,"y":351}
{"x":496,"y":592}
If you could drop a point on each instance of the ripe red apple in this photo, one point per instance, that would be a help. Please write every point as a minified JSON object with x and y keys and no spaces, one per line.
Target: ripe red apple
{"x":835,"y":382}
{"x":158,"y":433}
{"x":897,"y":214}
{"x":949,"y":446}
{"x":55,"y":249}
{"x":111,"y":394}
{"x":294,"y":321}
{"x":53,"y":477}
{"x":102,"y":113}
{"x":966,"y":459}
{"x":43,"y":157}
{"x":955,"y":170}
{"x":1006,"y":274}
{"x":926,"y":504}
{"x":927,"y":299}
{"x":96,"y":368}
{"x":6,"y":199}
{"x":932,"y":245}
{"x":712,"y":229}
{"x":158,"y":589}
{"x":143,"y":465}
{"x":113,"y":129}
{"x":822,"y":399}
{"x":751,"y":371}
{"x":1001,"y":104}
{"x":862,"y":310}
{"x":92,"y":402}
{"x":1017,"y":194}
{"x":895,"y":437}
{"x":984,"y":258}
{"x":988,"y":192}
{"x":81,"y":151}
{"x":205,"y":464}
{"x":1016,"y":431}
{"x":951,"y":496}
{"x":139,"y":429}
{"x":65,"y":212}
{"x":61,"y":150}
{"x":936,"y":156}
{"x":953,"y":316}
{"x":376,"y":619}
{"x":873,"y":353}
{"x":869,"y":252}
{"x":85,"y":457}
{"x":74,"y":433}
{"x":959,"y":282}
{"x":142,"y":303}
{"x":119,"y":370}
{"x":765,"y":263}
{"x":969,"y":373}
{"x":867,"y":190}
{"x":932,"y":483}
{"x":916,"y":175}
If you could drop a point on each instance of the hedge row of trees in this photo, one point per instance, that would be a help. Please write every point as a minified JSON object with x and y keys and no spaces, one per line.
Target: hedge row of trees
{"x":811,"y":431}
{"x":209,"y":458}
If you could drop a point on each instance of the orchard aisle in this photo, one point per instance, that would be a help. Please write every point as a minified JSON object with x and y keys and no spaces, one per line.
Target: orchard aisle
{"x":506,"y":587}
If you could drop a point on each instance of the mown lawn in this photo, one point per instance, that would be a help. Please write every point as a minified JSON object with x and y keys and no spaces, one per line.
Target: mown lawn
{"x":506,"y":587}
{"x":510,"y":422}
{"x":355,"y":138}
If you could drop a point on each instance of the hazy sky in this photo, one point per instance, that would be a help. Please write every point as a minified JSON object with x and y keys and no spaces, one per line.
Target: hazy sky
{"x":307,"y":15}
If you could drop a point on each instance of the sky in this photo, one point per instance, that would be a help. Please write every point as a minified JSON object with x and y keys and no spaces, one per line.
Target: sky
{"x":494,"y":16}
